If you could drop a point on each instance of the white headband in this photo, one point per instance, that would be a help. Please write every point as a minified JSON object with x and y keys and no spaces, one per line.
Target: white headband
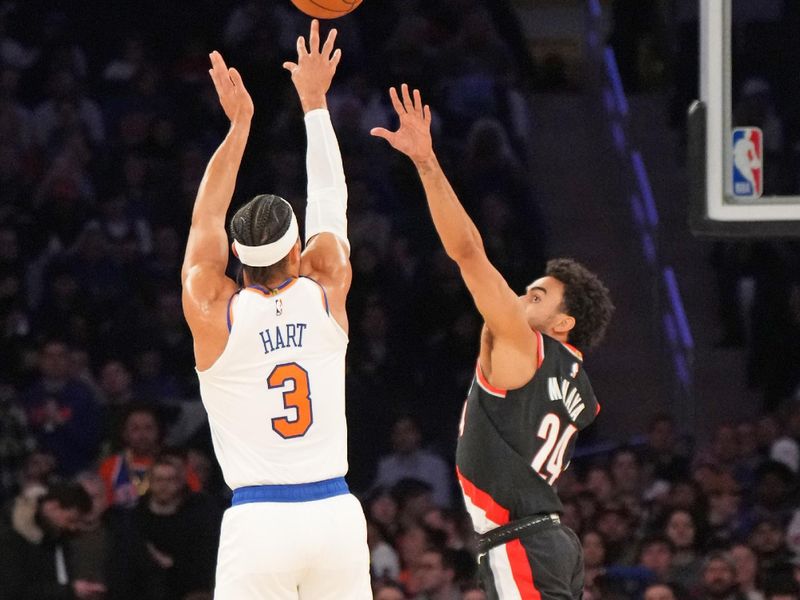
{"x":268,"y":254}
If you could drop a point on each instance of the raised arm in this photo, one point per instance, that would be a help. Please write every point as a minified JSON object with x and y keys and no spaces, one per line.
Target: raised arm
{"x":509,"y":361}
{"x":326,"y":257}
{"x":203,"y":272}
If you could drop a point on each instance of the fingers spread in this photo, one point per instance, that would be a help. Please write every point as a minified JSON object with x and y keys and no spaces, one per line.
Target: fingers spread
{"x":328,"y":47}
{"x":301,"y":47}
{"x":290,"y":66}
{"x":417,"y":102}
{"x":313,"y":38}
{"x":382,"y":133}
{"x":409,"y":105}
{"x":427,"y":114}
{"x":337,"y":56}
{"x":398,"y":106}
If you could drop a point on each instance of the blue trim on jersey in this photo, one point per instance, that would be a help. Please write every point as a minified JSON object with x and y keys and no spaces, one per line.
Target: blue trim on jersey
{"x":300,"y":492}
{"x":228,"y":311}
{"x":324,"y":293}
{"x":269,"y":291}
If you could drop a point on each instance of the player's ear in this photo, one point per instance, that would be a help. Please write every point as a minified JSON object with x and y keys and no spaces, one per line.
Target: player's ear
{"x":297,"y":251}
{"x":564,"y":323}
{"x":233,"y":249}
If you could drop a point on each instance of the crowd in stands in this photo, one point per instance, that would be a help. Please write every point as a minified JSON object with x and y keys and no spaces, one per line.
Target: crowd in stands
{"x":108,"y":487}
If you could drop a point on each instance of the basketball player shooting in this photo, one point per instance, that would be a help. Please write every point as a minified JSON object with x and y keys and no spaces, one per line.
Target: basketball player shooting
{"x":530,"y":394}
{"x":271,"y":356}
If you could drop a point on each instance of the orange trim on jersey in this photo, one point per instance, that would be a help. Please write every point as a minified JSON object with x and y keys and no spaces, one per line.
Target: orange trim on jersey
{"x":597,"y":410}
{"x":574,"y":350}
{"x":272,"y":293}
{"x":484,"y":383}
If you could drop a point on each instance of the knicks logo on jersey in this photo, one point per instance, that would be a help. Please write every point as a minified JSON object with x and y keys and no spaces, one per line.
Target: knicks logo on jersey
{"x":566,"y":393}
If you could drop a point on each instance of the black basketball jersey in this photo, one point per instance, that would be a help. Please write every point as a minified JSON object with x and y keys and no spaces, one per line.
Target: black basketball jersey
{"x":514,"y":444}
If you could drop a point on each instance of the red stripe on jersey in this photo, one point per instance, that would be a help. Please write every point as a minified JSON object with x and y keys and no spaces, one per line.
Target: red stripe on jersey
{"x":521,"y":570}
{"x":574,"y":350}
{"x":597,"y":410}
{"x":539,"y":349}
{"x":484,"y":383}
{"x":494,"y":512}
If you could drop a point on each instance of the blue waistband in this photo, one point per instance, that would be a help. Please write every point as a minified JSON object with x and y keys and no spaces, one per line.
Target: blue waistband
{"x":299,"y":492}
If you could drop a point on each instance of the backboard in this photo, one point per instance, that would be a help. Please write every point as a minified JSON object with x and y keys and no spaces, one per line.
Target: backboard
{"x":744,"y":157}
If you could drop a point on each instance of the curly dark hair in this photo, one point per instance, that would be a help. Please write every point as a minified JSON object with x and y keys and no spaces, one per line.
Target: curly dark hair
{"x":586,"y":299}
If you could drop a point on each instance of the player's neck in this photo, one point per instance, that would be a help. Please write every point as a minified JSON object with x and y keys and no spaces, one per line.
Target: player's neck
{"x":272,"y":283}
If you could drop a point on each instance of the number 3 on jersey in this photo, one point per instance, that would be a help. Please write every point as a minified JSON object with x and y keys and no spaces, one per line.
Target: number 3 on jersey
{"x":298,"y":398}
{"x":549,"y":460}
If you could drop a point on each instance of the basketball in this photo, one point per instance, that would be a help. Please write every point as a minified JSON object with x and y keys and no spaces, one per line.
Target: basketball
{"x":326,"y":9}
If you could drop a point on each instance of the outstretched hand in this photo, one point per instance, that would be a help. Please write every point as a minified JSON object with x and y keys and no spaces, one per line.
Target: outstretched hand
{"x":313,"y":72}
{"x":413,"y":138}
{"x":233,"y":96}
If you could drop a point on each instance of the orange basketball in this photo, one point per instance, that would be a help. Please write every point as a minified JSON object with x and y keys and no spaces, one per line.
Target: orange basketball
{"x":326,"y":9}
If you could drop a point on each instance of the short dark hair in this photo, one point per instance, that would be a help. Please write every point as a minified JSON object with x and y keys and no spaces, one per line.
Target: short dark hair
{"x":586,"y":299}
{"x":263,"y":220}
{"x":69,"y":495}
{"x":654,"y":540}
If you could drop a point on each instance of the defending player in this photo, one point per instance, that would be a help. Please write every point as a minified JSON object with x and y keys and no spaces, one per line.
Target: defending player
{"x":271,"y":357}
{"x":530,"y":395}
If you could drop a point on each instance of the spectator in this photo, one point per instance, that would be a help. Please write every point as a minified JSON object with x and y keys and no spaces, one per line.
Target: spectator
{"x":383,"y":559}
{"x":125,"y":473}
{"x":773,"y":487}
{"x":412,"y":542}
{"x":409,"y":460}
{"x":626,"y":472}
{"x":746,"y":564}
{"x":473,"y":592}
{"x":768,"y":541}
{"x":681,"y":529}
{"x":115,"y":383}
{"x":381,"y":510}
{"x":719,"y":579}
{"x":655,"y":555}
{"x":414,"y":499}
{"x":180,"y":531}
{"x":659,"y":591}
{"x":662,"y":459}
{"x":153,"y":382}
{"x":600,"y":484}
{"x":434,"y":576}
{"x":456,"y":526}
{"x":41,"y":568}
{"x":594,"y":553}
{"x":725,"y":518}
{"x":62,"y":411}
{"x":15,"y":441}
{"x":389,"y":590}
{"x":614,"y":523}
{"x":99,"y":550}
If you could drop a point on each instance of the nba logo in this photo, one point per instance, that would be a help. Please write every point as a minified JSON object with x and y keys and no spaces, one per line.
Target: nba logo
{"x":748,"y":169}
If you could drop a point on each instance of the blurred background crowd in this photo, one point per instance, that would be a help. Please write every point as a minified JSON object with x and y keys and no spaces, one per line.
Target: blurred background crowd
{"x":107,"y":120}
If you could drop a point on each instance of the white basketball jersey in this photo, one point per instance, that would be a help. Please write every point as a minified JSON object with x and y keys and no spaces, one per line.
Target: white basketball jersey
{"x":275,"y":397}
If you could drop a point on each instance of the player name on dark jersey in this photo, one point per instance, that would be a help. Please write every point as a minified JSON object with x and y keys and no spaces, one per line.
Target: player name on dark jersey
{"x":514,"y":444}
